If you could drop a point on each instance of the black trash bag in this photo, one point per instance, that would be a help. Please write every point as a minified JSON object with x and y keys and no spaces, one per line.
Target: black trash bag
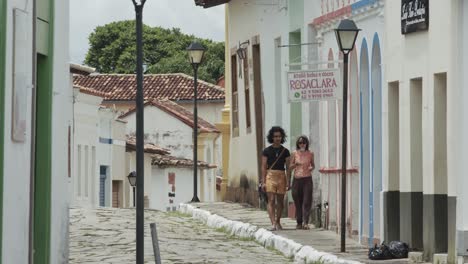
{"x":381,"y":252}
{"x":398,"y":249}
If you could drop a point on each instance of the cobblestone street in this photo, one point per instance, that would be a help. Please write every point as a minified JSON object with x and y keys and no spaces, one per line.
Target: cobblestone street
{"x":108,"y":236}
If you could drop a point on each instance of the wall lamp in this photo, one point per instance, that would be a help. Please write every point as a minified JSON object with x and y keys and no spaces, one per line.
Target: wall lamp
{"x":242,"y":54}
{"x":242,"y":50}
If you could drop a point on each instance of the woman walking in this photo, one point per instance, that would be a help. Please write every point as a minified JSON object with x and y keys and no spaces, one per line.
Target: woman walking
{"x":302,"y":162}
{"x":275,"y":174}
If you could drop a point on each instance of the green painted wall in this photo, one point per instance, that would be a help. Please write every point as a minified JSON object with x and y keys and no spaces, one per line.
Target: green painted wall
{"x":43,"y":155}
{"x":296,"y":108}
{"x":42,"y":182}
{"x":3,"y":27}
{"x":296,"y":14}
{"x":43,"y":10}
{"x":296,"y":23}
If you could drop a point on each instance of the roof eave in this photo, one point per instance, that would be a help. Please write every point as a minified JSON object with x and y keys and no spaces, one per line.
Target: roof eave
{"x":81,"y":69}
{"x":210,"y":3}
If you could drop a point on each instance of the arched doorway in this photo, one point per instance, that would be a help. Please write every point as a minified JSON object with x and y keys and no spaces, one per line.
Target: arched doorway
{"x":365,"y":105}
{"x":333,"y":192}
{"x":353,"y":134}
{"x":376,"y":126}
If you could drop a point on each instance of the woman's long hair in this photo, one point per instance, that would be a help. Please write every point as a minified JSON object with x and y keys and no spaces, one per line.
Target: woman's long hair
{"x":273,"y":130}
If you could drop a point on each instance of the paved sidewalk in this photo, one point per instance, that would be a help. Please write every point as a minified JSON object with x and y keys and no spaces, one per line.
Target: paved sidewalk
{"x":319,"y":239}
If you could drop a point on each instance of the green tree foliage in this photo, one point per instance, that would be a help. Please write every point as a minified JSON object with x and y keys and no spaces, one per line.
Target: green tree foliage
{"x":113,"y":46}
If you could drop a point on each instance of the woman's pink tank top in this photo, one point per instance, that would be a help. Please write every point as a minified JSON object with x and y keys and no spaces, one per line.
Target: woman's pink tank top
{"x":305,"y":158}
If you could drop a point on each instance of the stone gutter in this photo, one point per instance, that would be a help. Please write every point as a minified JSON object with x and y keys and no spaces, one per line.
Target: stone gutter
{"x":287,"y":247}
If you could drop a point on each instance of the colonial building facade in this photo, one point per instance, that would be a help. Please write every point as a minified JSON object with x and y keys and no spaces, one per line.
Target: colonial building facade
{"x":407,"y":112}
{"x":298,"y":35}
{"x":424,"y":118}
{"x":364,"y":162}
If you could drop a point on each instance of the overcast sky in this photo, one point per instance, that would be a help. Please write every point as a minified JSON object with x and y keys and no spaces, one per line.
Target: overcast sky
{"x":85,"y":15}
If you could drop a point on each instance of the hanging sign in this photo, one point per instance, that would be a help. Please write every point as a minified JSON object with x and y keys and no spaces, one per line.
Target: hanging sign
{"x":316,"y":85}
{"x":414,"y":15}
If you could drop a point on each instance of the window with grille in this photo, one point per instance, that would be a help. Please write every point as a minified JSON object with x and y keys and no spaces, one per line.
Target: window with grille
{"x":235,"y":97}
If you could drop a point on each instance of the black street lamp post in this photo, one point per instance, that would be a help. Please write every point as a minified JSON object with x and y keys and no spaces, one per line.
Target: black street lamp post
{"x":346,"y":35}
{"x":140,"y":221}
{"x":132,"y":180}
{"x":195,"y":53}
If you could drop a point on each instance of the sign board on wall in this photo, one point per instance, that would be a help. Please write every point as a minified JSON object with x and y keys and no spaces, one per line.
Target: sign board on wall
{"x":314,"y":85}
{"x":22,"y":80}
{"x":414,"y":15}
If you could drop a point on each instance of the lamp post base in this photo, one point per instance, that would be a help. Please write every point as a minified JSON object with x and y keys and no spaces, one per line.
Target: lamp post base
{"x":195,"y":199}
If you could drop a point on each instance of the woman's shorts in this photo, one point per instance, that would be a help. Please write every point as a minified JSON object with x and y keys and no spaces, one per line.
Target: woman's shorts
{"x":276,"y":182}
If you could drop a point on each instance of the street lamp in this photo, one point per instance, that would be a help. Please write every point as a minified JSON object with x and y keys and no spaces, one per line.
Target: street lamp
{"x":195,"y":53}
{"x":140,"y":184}
{"x":346,"y":35}
{"x":132,"y":180}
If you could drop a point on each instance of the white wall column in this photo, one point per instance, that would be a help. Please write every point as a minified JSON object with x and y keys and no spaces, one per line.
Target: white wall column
{"x":462,"y":180}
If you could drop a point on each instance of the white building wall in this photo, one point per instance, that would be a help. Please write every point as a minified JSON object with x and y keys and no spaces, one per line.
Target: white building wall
{"x":329,"y":121}
{"x":167,"y":131}
{"x":62,"y":119}
{"x":248,"y":19}
{"x":131,"y":159}
{"x":405,"y":60}
{"x":17,"y":158}
{"x":462,"y":201}
{"x":183,"y":187}
{"x":17,"y":161}
{"x":86,"y":138}
{"x":207,"y":110}
{"x":164,"y":130}
{"x":426,"y":55}
{"x":211,"y":112}
{"x":207,"y":193}
{"x":105,"y":154}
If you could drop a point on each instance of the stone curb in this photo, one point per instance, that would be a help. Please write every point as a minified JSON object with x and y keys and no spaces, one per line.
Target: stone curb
{"x":289,"y":248}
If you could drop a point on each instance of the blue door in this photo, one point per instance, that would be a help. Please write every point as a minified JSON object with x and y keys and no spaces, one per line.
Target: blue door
{"x":102,"y":185}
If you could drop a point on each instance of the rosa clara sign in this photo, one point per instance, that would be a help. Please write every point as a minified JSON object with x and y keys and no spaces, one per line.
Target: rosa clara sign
{"x":316,"y":85}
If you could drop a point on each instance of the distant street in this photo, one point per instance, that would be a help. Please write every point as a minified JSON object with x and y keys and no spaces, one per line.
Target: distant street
{"x":108,"y":236}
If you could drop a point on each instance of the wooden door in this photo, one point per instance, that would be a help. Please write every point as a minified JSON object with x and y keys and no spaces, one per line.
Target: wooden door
{"x":115,"y":194}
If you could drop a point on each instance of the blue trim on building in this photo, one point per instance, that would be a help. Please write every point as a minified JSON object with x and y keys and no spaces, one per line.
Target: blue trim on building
{"x":105,"y":140}
{"x":362,"y":3}
{"x":362,"y":166}
{"x":371,"y":161}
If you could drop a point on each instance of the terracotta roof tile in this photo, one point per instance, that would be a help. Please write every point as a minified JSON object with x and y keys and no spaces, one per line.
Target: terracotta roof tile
{"x":91,"y":91}
{"x":170,"y":161}
{"x":180,"y":113}
{"x":122,"y":87}
{"x":149,"y":147}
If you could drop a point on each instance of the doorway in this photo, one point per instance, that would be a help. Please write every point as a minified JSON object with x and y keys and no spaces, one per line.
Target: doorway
{"x":258,"y":99}
{"x":116,"y":194}
{"x":41,"y":204}
{"x":103,"y":171}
